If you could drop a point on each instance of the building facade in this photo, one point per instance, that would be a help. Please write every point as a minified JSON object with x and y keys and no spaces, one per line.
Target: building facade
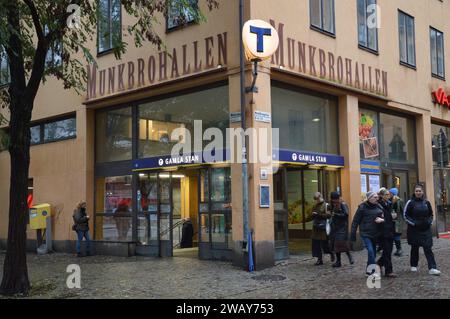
{"x":360,"y":101}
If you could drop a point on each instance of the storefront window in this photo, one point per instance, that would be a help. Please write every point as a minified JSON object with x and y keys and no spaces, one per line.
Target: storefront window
{"x":440,"y":145}
{"x":306,"y":122}
{"x":397,"y":139}
{"x":113,"y":209}
{"x":159,"y":119}
{"x":114,"y":135}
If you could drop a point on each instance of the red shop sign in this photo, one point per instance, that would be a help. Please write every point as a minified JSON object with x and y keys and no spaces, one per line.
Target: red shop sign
{"x":441,"y":98}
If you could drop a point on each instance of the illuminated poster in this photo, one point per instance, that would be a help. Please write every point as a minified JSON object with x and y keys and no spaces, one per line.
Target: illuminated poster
{"x":363,"y":183}
{"x":368,"y":134}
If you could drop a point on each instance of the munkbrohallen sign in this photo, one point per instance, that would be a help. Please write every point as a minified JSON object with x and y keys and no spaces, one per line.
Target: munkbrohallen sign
{"x":298,"y":56}
{"x":155,"y":68}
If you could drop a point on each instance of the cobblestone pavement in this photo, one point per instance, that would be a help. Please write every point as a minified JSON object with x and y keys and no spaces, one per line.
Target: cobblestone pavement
{"x":180,"y":277}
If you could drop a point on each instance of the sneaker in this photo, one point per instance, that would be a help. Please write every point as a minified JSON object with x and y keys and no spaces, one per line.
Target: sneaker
{"x":413,"y":269}
{"x":398,"y":253}
{"x":434,"y":272}
{"x":318,"y":263}
{"x":79,"y":255}
{"x":391,"y":275}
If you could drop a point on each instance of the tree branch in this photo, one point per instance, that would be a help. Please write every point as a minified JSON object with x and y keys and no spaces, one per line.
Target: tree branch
{"x":36,"y":20}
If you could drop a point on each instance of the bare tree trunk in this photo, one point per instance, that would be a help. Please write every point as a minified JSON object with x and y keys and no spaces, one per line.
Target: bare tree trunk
{"x":15,"y":273}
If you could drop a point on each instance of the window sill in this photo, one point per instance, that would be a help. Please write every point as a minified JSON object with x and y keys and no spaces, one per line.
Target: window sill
{"x":180,"y":27}
{"x":103,"y":53}
{"x":364,"y":48}
{"x":410,"y":66}
{"x":442,"y":78}
{"x":332,"y":35}
{"x":54,"y":141}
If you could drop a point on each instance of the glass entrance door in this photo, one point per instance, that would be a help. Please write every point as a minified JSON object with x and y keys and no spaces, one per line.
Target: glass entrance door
{"x":155,"y":213}
{"x":441,"y":189}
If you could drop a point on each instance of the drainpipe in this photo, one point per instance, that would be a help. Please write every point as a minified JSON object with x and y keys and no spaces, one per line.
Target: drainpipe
{"x":243,"y":121}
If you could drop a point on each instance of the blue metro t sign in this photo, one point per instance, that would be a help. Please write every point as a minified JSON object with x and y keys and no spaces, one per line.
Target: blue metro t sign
{"x":260,"y":33}
{"x":260,"y":40}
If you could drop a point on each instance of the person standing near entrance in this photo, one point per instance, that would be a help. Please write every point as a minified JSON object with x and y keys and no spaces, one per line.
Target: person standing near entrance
{"x":368,"y":218}
{"x":397,"y":206}
{"x":320,"y":244}
{"x":339,"y":229}
{"x":81,"y":226}
{"x":387,"y":233}
{"x":418,"y":213}
{"x":187,"y":234}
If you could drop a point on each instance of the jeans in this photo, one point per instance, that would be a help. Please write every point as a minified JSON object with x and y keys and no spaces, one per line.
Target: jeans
{"x":397,"y":240}
{"x":371,"y":245}
{"x":80,"y":235}
{"x":386,"y":258}
{"x":428,"y":254}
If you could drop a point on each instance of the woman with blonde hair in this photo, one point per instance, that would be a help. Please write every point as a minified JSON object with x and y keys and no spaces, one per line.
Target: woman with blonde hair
{"x":81,"y":227}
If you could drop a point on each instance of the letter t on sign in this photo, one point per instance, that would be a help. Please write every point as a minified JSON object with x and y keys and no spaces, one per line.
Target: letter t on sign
{"x":260,"y":33}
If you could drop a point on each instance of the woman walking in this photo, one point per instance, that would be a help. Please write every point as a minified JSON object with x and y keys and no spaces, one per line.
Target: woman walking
{"x":339,"y":229}
{"x":368,"y":218}
{"x":397,"y":207}
{"x":319,"y":237}
{"x":81,"y":226}
{"x":387,"y":233}
{"x":418,"y":214}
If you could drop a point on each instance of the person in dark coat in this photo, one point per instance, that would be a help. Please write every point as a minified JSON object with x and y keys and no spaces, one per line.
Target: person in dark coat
{"x":387,"y":233}
{"x":320,"y":244}
{"x":187,"y":234}
{"x":397,"y":206}
{"x":81,"y":226}
{"x":368,"y":218}
{"x":339,"y":229}
{"x":418,"y":214}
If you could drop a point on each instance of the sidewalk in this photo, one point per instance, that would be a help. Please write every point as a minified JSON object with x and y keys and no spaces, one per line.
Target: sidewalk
{"x":184,"y":277}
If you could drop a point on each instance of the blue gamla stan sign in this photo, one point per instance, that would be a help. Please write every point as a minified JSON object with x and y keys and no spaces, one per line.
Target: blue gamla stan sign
{"x":282,"y":155}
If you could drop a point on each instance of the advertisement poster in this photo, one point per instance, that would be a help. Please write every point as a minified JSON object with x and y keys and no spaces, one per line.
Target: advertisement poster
{"x":368,"y":134}
{"x":374,"y":183}
{"x":363,"y":183}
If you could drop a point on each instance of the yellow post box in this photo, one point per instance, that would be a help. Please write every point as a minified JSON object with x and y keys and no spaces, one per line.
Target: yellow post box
{"x":38,"y":216}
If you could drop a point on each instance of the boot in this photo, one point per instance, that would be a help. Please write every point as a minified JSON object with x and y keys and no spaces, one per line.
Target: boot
{"x":350,"y":258}
{"x":332,"y":258}
{"x":79,"y":255}
{"x":318,"y":262}
{"x":337,"y":264}
{"x":398,"y":253}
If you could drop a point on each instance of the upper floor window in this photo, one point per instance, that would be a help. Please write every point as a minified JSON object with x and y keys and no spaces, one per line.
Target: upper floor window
{"x":108,"y":25}
{"x":53,"y":57}
{"x":54,"y":131}
{"x":178,"y":14}
{"x":4,"y":68}
{"x":367,"y":24}
{"x":407,"y":39}
{"x":322,"y":15}
{"x":437,"y":53}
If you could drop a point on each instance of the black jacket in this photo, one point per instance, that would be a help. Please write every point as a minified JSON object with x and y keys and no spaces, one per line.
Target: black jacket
{"x":365,"y":219}
{"x":187,"y":234}
{"x":418,"y":214}
{"x":339,"y":222}
{"x":81,"y":220}
{"x":388,"y":227}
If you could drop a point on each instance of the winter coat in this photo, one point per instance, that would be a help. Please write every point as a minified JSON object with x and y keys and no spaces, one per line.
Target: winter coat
{"x":365,"y":219}
{"x":320,"y":233}
{"x":388,"y":227}
{"x":187,"y":233}
{"x":398,"y":206}
{"x":418,"y":213}
{"x":339,"y":222}
{"x":81,"y":220}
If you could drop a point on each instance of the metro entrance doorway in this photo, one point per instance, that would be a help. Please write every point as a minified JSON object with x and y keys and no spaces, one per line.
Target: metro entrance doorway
{"x":166,"y":199}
